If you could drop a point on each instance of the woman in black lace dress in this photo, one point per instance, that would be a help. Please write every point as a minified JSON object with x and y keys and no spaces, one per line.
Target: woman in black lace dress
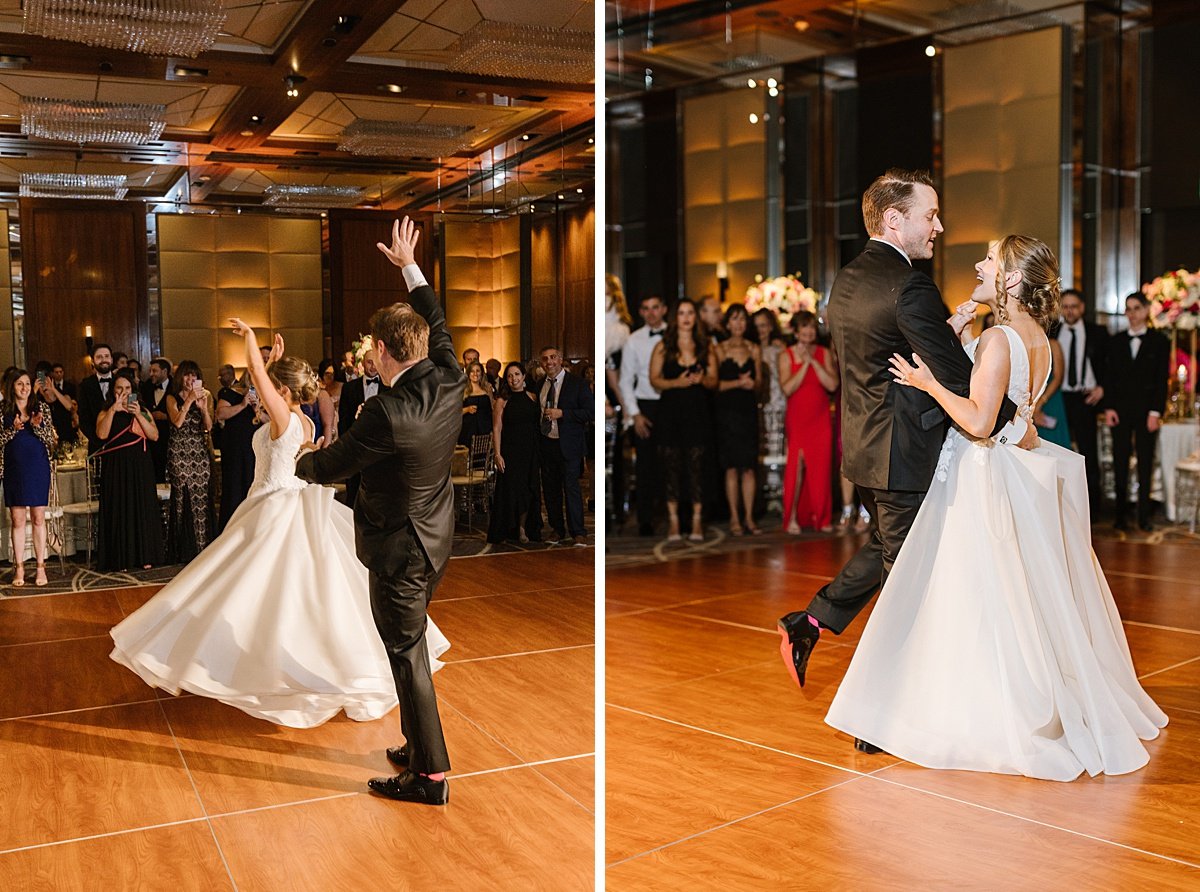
{"x":515,"y":435}
{"x":683,"y":367}
{"x":739,"y":374}
{"x":189,"y":468}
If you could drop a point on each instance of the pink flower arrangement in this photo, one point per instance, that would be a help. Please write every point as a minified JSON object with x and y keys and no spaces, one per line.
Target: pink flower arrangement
{"x":785,"y":295}
{"x":1174,"y":299}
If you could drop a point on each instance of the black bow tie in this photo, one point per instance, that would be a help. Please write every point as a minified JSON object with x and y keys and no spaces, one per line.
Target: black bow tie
{"x":371,"y":380}
{"x":104,"y":378}
{"x":657,"y":334}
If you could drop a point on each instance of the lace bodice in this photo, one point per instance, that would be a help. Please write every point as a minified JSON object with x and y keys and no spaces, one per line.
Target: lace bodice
{"x":275,"y":460}
{"x":1018,"y":392}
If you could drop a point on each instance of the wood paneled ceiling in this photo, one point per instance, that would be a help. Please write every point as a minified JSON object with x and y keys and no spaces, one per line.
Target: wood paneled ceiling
{"x":232,"y":131}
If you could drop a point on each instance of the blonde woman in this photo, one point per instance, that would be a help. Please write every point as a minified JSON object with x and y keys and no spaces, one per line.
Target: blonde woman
{"x":478,"y":402}
{"x":260,"y":620}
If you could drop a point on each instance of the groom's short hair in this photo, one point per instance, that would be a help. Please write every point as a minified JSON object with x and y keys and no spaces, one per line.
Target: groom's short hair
{"x":403,"y":332}
{"x":892,"y":190}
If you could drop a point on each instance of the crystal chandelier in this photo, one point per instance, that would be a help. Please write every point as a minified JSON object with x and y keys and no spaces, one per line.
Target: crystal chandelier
{"x":73,"y":185}
{"x":526,"y":51}
{"x":398,"y":138}
{"x":92,"y":122}
{"x":153,"y":27}
{"x":315,"y":197}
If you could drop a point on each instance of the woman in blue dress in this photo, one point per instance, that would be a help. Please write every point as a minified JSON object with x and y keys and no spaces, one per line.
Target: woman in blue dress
{"x":27,"y":437}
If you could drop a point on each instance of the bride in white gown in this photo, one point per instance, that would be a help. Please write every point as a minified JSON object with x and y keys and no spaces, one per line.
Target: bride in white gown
{"x":995,"y":644}
{"x":274,"y":616}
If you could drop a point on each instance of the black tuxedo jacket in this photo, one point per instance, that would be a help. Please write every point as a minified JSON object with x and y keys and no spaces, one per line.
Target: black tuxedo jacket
{"x":91,"y":401}
{"x":1095,"y":351}
{"x":401,"y":443}
{"x":1137,"y":387}
{"x":352,"y":398}
{"x":892,"y":434}
{"x":575,"y":400}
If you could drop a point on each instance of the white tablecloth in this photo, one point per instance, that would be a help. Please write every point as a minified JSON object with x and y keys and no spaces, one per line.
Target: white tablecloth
{"x":1176,"y":441}
{"x":72,"y":487}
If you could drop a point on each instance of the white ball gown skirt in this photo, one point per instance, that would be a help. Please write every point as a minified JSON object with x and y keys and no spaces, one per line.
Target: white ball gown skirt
{"x":274,"y":618}
{"x":996,"y":645}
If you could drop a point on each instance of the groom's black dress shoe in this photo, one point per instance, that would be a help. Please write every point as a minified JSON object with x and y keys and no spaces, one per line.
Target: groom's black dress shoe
{"x":797,"y":636}
{"x":398,"y":755}
{"x":863,"y":747}
{"x":409,"y":787}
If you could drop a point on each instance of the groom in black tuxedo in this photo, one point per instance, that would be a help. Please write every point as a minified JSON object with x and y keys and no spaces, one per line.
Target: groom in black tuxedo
{"x":401,"y":444}
{"x":93,"y":391}
{"x":891,"y":435}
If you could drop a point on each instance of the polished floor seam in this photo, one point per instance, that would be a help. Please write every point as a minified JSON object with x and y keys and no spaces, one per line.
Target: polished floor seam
{"x":526,"y":653}
{"x":671,"y":684}
{"x":1035,"y":821}
{"x":526,"y":591}
{"x":47,"y":715}
{"x":53,"y":641}
{"x":734,"y":822}
{"x":195,"y":789}
{"x":761,"y":746}
{"x":1168,"y":668}
{"x":547,"y":550}
{"x":1133,"y":622}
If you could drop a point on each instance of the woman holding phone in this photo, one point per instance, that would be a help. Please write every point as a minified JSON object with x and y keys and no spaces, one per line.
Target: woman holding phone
{"x":130,"y":525}
{"x":189,"y":469}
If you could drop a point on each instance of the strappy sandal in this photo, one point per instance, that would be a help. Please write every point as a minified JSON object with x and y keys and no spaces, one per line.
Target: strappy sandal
{"x":41,"y":578}
{"x":19,"y":575}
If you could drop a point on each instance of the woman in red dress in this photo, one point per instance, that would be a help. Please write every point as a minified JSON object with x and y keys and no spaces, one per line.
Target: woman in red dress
{"x":807,"y":376}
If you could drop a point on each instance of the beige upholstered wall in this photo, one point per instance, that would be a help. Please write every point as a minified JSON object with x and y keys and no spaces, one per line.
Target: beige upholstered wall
{"x":8,"y":350}
{"x":724,"y":191}
{"x":483,"y":287}
{"x":1003,"y":106}
{"x":264,"y":270}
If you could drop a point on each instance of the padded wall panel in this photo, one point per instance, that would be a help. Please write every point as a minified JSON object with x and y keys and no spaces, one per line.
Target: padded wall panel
{"x":482,"y":274}
{"x":261,"y":269}
{"x":1002,"y":127}
{"x":724,"y":191}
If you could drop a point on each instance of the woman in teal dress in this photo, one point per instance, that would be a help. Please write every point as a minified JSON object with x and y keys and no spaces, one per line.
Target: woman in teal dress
{"x":1050,"y":414}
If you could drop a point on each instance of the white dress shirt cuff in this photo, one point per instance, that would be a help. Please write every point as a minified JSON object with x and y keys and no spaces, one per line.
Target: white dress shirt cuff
{"x":1013,"y":432}
{"x":413,"y":277}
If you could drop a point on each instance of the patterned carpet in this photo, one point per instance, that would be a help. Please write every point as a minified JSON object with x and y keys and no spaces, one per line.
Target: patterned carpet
{"x":78,"y":576}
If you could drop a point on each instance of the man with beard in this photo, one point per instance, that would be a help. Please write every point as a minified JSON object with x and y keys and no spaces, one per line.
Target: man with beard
{"x":93,"y":391}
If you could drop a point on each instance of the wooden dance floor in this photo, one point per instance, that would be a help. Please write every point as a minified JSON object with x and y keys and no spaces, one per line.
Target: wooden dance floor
{"x":106,"y":785}
{"x":722,"y":774}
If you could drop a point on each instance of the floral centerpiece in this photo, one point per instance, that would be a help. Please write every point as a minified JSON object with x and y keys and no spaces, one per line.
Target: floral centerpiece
{"x":1175,"y":305}
{"x":359,"y":348}
{"x":1174,"y":299}
{"x":785,"y":295}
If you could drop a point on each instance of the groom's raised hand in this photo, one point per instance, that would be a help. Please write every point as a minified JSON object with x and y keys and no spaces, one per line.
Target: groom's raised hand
{"x":402,"y":251}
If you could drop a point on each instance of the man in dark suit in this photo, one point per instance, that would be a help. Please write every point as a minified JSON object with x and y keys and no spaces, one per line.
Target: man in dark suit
{"x":567,"y":406}
{"x":1135,"y":397}
{"x":62,"y":403}
{"x":355,"y":392}
{"x":401,"y":443}
{"x":93,"y":391}
{"x":153,"y":392}
{"x":891,"y":435}
{"x":1085,"y":352}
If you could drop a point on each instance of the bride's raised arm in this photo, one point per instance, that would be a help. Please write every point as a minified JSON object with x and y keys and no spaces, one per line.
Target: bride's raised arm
{"x":277,"y":410}
{"x":975,"y":413}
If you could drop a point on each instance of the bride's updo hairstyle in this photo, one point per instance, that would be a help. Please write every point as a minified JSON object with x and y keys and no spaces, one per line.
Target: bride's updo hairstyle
{"x":1040,"y":286}
{"x":296,"y":375}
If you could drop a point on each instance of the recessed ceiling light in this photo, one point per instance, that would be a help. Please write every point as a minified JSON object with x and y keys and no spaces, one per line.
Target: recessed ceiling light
{"x":753,"y":118}
{"x":591,"y":141}
{"x":247,"y":133}
{"x":527,"y":136}
{"x":561,"y":197}
{"x":185,"y":71}
{"x":752,"y":83}
{"x":580,"y":190}
{"x":256,"y":119}
{"x":931,"y":51}
{"x":390,"y":88}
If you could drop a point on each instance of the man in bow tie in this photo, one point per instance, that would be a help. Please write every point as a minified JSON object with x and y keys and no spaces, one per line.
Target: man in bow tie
{"x":641,"y":407}
{"x":354,"y":394}
{"x":154,"y":393}
{"x":93,"y":392}
{"x":1135,"y":397}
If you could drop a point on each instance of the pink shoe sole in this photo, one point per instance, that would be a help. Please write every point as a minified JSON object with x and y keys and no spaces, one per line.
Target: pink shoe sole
{"x":785,"y":651}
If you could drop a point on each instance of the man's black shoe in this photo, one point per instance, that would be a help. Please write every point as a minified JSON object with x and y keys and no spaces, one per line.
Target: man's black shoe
{"x":398,"y":755}
{"x":409,"y":787}
{"x":797,"y":637}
